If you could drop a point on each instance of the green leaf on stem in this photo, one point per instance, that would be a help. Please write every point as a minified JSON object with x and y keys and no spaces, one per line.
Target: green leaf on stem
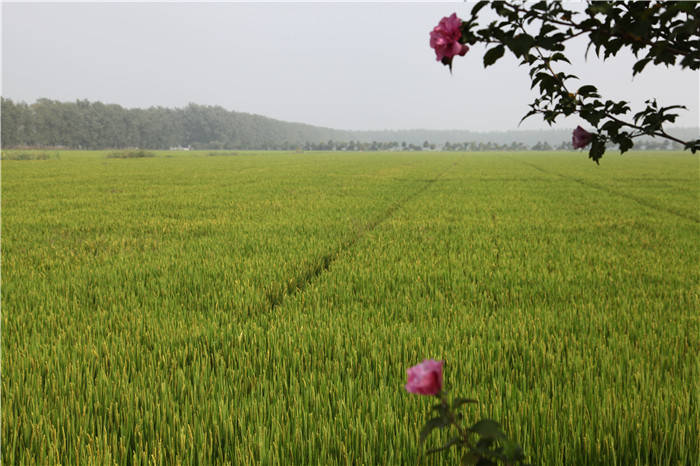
{"x":475,"y":458}
{"x":588,"y":90}
{"x":640,"y":65}
{"x":435,"y":423}
{"x":512,"y":451}
{"x":469,"y":457}
{"x":597,"y":150}
{"x":547,"y":28}
{"x":694,"y":146}
{"x":493,"y":54}
{"x":461,"y":401}
{"x":625,"y":143}
{"x":483,"y":445}
{"x":488,"y":428}
{"x":441,"y":409}
{"x":521,"y":44}
{"x":478,"y":6}
{"x":527,"y":115}
{"x":542,"y":5}
{"x":485,"y":462}
{"x":450,"y":443}
{"x":558,"y":56}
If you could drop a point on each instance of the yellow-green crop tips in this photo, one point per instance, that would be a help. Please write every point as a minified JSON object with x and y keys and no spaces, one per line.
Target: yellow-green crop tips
{"x":262,"y":308}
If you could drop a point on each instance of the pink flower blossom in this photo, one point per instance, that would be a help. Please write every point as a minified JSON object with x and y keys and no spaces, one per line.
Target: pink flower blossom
{"x":425,"y":378}
{"x":581,"y":138}
{"x":444,"y":38}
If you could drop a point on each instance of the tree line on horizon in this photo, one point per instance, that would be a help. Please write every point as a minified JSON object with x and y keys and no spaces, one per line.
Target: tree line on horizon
{"x":94,"y":125}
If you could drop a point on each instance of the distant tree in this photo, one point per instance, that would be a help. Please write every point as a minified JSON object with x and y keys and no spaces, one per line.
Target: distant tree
{"x":564,"y":146}
{"x":661,"y":33}
{"x":516,"y":146}
{"x":12,"y":130}
{"x":95,"y":125}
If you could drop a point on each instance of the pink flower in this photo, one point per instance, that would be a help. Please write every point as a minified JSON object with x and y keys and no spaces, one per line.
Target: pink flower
{"x":425,"y":378}
{"x":444,"y":38}
{"x":581,"y":138}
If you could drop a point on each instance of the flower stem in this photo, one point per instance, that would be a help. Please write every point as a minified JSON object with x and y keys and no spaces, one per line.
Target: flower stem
{"x":463,"y":433}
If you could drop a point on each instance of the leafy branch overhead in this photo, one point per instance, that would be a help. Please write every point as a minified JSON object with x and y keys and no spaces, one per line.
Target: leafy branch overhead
{"x":661,"y":33}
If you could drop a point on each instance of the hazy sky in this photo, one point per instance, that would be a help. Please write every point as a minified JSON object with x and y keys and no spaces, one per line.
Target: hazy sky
{"x":340,"y":65}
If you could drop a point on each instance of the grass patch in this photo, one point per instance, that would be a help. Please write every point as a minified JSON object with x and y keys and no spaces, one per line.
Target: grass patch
{"x":130,"y":154}
{"x":29,"y":155}
{"x":222,"y":153}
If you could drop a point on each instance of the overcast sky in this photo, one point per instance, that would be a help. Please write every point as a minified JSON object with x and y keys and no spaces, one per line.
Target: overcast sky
{"x":340,"y":65}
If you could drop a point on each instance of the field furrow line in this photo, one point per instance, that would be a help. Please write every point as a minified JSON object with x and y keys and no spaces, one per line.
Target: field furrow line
{"x":614,"y":192}
{"x":299,"y":283}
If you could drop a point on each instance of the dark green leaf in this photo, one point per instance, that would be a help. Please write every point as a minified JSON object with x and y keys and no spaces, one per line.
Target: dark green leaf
{"x":587,"y":90}
{"x":441,"y":409}
{"x":521,"y":44}
{"x":478,"y":6}
{"x":469,"y":457}
{"x":639,"y":66}
{"x":625,"y":143}
{"x":493,"y":54}
{"x":693,"y":145}
{"x":591,"y":115}
{"x":450,"y":443}
{"x":460,"y":401}
{"x":488,"y":428}
{"x":485,"y":462}
{"x":512,"y":451}
{"x":484,"y":444}
{"x":542,"y":5}
{"x":558,"y":56}
{"x":435,"y":423}
{"x":671,"y":107}
{"x":527,"y":115}
{"x":597,"y":150}
{"x":612,"y":127}
{"x":619,"y":108}
{"x":547,"y":83}
{"x":547,"y":28}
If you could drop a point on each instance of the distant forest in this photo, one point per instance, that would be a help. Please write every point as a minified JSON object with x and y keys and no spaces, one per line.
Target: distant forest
{"x":95,"y":125}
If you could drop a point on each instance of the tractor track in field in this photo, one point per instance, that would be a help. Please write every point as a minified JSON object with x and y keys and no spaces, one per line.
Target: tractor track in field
{"x":639,"y":200}
{"x":299,"y":283}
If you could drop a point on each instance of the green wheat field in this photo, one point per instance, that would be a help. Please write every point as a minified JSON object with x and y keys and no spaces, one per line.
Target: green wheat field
{"x":262,"y":308}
